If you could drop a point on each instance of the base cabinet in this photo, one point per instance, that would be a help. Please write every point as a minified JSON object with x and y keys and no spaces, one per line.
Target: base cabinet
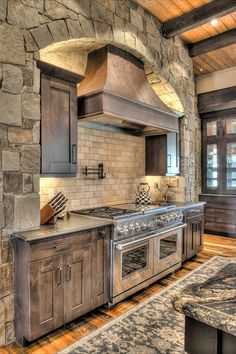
{"x":201,"y":338}
{"x":60,"y":280}
{"x":220,"y":211}
{"x":192,"y":242}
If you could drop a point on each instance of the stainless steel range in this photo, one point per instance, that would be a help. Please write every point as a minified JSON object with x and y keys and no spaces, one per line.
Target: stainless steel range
{"x":145,"y":244}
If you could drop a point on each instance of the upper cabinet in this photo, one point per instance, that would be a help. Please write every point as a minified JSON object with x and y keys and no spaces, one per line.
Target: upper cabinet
{"x":59,"y":121}
{"x":162,"y":155}
{"x":219,"y":155}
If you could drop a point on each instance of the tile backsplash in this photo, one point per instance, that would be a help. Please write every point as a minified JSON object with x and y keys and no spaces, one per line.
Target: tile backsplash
{"x":123,"y":158}
{"x":124,"y":163}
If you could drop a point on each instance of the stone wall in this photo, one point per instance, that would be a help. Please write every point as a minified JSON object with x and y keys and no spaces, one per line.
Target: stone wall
{"x":27,"y":26}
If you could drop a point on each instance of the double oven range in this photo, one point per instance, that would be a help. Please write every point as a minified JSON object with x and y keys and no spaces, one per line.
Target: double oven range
{"x":146,"y":244}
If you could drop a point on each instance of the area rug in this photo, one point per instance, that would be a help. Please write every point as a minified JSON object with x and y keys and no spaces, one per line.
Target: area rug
{"x":152,"y":327}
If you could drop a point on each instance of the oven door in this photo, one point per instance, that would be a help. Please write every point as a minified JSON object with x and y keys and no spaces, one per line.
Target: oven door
{"x":167,"y":249}
{"x":133,"y":264}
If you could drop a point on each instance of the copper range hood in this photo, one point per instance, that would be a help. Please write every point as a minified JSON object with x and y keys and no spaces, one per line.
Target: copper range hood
{"x":116,"y":92}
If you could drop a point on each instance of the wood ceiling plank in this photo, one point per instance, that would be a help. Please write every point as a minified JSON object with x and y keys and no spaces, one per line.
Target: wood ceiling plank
{"x":221,"y":58}
{"x":229,"y":21}
{"x":213,"y":43}
{"x":207,"y":68}
{"x":197,"y":17}
{"x":183,"y":5}
{"x":225,"y":58}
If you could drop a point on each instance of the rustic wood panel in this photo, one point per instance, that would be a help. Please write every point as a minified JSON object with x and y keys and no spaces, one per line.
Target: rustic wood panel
{"x":213,"y":245}
{"x":213,"y":43}
{"x":198,"y":17}
{"x":166,"y":10}
{"x":216,"y":60}
{"x":217,"y":100}
{"x":207,"y":30}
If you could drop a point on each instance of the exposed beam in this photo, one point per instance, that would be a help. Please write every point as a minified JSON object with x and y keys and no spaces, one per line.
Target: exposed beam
{"x":217,"y":100}
{"x":198,"y":17}
{"x":208,"y":45}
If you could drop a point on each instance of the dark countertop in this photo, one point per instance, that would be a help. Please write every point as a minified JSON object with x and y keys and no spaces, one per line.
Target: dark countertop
{"x":75,"y":223}
{"x":213,"y":301}
{"x":187,"y":205}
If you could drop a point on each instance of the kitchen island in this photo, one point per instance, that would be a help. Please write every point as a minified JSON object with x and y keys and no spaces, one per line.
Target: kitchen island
{"x":210,"y":312}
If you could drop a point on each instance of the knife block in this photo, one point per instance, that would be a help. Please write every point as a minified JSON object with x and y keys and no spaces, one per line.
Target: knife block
{"x":47,"y":215}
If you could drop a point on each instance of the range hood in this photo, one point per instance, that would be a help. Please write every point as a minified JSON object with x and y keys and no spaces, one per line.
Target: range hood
{"x":116,"y":92}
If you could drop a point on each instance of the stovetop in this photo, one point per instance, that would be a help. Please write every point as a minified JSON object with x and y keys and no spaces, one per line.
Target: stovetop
{"x":122,"y":211}
{"x":108,"y":212}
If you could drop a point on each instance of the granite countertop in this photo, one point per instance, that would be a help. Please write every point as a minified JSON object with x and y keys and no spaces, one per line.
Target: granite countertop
{"x":213,"y":301}
{"x":74,"y":223}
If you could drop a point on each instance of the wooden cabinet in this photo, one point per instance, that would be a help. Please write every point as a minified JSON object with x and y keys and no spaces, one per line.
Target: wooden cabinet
{"x":219,"y":171}
{"x":192,"y":242}
{"x":219,"y":155}
{"x":59,"y":121}
{"x":220,"y":214}
{"x":61,"y":279}
{"x":162,"y":155}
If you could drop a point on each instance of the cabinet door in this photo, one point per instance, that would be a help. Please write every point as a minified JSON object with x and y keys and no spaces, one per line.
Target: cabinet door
{"x":77,"y":289}
{"x":156,"y":155}
{"x":191,"y":227}
{"x":199,"y":234}
{"x":100,"y":267}
{"x":58,"y":127}
{"x":184,"y":245}
{"x":172,"y":154}
{"x":46,"y":296}
{"x":212,"y":132}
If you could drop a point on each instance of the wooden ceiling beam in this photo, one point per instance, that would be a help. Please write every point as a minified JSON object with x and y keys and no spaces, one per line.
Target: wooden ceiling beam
{"x":216,"y":42}
{"x":198,"y":17}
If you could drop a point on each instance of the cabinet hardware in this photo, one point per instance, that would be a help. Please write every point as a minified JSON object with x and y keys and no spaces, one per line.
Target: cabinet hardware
{"x":195,"y":211}
{"x":74,"y":154}
{"x":63,"y":246}
{"x":59,"y":269}
{"x":101,"y":233}
{"x":68,"y":273}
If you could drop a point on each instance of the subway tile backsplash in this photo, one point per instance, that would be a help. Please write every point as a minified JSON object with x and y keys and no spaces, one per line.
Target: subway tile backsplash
{"x":123,"y":158}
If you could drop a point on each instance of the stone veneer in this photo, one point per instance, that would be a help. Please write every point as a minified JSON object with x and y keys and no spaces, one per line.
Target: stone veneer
{"x":27,"y":26}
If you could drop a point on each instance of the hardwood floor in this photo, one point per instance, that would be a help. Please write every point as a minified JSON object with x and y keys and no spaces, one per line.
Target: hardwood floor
{"x":57,"y":340}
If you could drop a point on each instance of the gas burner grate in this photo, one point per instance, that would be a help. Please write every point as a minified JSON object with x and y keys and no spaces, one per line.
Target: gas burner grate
{"x":107,"y":212}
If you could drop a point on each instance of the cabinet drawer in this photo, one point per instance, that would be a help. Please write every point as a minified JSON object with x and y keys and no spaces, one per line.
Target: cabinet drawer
{"x":52,"y":247}
{"x":220,"y":215}
{"x":226,"y":229}
{"x":192,"y":212}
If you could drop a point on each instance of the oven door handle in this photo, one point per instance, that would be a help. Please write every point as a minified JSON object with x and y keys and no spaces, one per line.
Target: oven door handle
{"x":121,"y":246}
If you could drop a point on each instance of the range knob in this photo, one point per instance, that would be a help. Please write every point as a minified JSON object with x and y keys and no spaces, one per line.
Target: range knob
{"x":120,"y":230}
{"x":144,"y":226}
{"x":132,"y":228}
{"x":138,"y":227}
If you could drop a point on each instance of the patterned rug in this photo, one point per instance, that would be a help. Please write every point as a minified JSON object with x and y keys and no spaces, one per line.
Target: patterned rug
{"x":152,"y":327}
